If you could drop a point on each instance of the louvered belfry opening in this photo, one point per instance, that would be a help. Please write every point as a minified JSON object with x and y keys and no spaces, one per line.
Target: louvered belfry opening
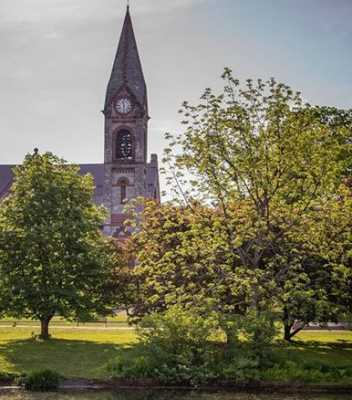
{"x":124,"y":145}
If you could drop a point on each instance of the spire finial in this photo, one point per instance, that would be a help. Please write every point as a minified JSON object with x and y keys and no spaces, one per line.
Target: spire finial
{"x":128,"y":5}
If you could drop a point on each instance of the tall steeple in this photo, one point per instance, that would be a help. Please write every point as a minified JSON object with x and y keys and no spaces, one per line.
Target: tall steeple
{"x":128,"y":174}
{"x":127,"y":69}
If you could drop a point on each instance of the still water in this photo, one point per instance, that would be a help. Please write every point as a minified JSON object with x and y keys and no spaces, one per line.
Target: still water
{"x":145,"y":395}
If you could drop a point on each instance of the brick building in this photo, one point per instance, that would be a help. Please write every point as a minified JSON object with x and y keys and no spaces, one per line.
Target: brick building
{"x":126,"y":172}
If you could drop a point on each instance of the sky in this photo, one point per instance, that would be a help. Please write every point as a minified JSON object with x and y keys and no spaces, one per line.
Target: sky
{"x":56,"y":57}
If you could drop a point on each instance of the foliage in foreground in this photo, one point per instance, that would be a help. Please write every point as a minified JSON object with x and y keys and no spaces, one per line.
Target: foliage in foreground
{"x":42,"y":381}
{"x":179,"y":346}
{"x":291,"y":371}
{"x":262,"y":213}
{"x":183,"y":258}
{"x":53,"y":258}
{"x":6,"y":377}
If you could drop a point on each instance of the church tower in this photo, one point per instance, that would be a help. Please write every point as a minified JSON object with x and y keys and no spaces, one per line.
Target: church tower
{"x":127,"y":172}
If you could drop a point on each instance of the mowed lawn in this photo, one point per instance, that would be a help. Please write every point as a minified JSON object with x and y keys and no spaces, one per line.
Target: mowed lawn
{"x":85,"y":353}
{"x":79,"y":353}
{"x":326,"y":347}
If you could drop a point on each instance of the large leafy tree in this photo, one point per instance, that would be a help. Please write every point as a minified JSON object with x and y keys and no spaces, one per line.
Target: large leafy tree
{"x":54,"y":259}
{"x":182,"y":258}
{"x":173,"y":264}
{"x":269,"y":163}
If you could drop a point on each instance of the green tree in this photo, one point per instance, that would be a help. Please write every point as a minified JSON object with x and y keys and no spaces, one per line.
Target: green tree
{"x":267,"y":162}
{"x":312,"y":267}
{"x":54,"y":259}
{"x":182,"y":259}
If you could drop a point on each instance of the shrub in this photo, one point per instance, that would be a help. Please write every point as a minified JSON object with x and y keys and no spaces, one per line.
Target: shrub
{"x":41,"y":381}
{"x":7,"y":377}
{"x":138,"y":366}
{"x":259,"y":331}
{"x":178,"y":332}
{"x":174,"y":345}
{"x":242,"y":368}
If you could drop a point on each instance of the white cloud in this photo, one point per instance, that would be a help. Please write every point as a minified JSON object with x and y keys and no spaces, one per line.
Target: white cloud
{"x":52,"y":35}
{"x":162,"y":5}
{"x":47,"y":11}
{"x":37,"y":10}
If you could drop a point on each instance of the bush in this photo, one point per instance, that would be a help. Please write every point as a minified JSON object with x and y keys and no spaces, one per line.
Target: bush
{"x":42,"y":381}
{"x":8,"y":377}
{"x":136,"y":367}
{"x":242,"y":368}
{"x":178,"y":333}
{"x":177,"y":346}
{"x":259,"y":331}
{"x":174,"y":345}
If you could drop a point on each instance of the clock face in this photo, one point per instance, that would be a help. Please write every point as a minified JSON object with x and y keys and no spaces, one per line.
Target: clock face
{"x":123,"y":106}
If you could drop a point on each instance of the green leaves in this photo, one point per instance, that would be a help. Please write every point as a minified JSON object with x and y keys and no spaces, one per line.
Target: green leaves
{"x":53,"y":257}
{"x":275,"y":172}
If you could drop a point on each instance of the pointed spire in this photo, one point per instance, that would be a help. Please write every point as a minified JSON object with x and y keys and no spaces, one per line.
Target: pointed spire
{"x":127,"y":69}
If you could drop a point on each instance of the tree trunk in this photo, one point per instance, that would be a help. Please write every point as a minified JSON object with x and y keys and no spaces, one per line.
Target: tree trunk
{"x":290,"y":330}
{"x":288,"y":324}
{"x":44,"y":327}
{"x":231,"y":342}
{"x":287,"y":331}
{"x":230,"y":339}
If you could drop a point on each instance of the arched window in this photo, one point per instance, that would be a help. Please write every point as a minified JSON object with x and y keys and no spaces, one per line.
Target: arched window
{"x":124,"y":145}
{"x":123,"y":183}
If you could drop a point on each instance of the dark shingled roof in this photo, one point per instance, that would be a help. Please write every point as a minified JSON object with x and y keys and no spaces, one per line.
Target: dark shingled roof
{"x":127,"y":69}
{"x":96,"y":170}
{"x":6,"y":177}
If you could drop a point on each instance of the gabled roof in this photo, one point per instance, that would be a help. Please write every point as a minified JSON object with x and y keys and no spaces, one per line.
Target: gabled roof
{"x":96,"y":170}
{"x":127,"y":69}
{"x":6,"y":178}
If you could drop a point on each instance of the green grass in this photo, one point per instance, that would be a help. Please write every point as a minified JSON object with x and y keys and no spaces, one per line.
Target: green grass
{"x":85,"y":353}
{"x":72,"y":353}
{"x":328,"y":347}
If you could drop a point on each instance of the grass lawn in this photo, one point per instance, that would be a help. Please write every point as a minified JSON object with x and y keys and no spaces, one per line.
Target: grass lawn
{"x":72,"y":353}
{"x":85,"y":353}
{"x":328,"y":347}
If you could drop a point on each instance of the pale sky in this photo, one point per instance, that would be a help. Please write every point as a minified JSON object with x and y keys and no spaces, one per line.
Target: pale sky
{"x":56,"y":58}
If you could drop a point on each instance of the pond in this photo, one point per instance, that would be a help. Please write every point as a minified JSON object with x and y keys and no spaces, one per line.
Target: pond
{"x":149,"y":395}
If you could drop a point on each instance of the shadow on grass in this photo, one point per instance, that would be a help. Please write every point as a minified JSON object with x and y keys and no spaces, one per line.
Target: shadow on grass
{"x":335,"y":353}
{"x":340,"y":344}
{"x":89,"y":359}
{"x":71,"y":358}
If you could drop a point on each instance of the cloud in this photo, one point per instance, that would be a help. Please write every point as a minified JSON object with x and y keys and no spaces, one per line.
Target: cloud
{"x":37,"y":10}
{"x":48,"y":11}
{"x":52,"y":35}
{"x":163,"y":5}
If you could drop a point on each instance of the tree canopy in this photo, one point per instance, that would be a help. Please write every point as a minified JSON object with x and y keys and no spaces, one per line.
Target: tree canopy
{"x":264,"y":210}
{"x":54,"y":259}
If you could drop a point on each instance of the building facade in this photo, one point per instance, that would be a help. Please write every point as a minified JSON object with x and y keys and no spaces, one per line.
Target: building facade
{"x":127,"y":172}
